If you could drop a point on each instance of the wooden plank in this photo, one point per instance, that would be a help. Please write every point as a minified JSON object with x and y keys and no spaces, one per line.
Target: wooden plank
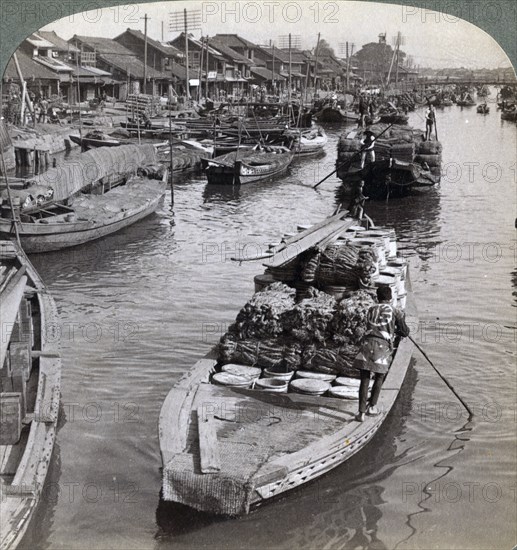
{"x":335,"y":228}
{"x":208,"y":446}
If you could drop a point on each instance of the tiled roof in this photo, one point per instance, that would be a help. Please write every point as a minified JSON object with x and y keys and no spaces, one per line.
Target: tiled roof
{"x":118,"y":56}
{"x":234,"y":40}
{"x":166,"y":49}
{"x":60,"y":44}
{"x":29,"y":68}
{"x":266,"y":74}
{"x":227,"y":51}
{"x":38,"y":41}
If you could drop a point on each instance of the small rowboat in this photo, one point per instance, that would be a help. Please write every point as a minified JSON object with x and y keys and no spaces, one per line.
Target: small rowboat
{"x":96,"y":139}
{"x":228,"y":449}
{"x":30,"y":380}
{"x":483,"y":109}
{"x":240,"y":167}
{"x":308,"y":142}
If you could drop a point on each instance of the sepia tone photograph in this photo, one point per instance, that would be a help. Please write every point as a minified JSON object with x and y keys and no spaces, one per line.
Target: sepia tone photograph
{"x":258,"y":275}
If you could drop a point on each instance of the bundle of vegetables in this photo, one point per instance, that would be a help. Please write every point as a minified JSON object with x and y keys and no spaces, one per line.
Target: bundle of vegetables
{"x":337,"y":359}
{"x":309,"y":320}
{"x":349,"y":323}
{"x":349,"y":266}
{"x":262,"y":316}
{"x":262,"y":353}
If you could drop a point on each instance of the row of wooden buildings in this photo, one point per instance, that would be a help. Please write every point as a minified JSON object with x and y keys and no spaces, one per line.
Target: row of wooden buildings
{"x":225,"y":65}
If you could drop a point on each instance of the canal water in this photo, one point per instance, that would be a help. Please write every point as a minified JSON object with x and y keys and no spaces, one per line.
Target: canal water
{"x":140,"y":307}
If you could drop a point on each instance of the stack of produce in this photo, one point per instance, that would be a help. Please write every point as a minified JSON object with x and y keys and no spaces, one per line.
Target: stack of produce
{"x":348,"y":266}
{"x":430,"y":152}
{"x":262,"y":316}
{"x":309,"y":320}
{"x":331,"y":359}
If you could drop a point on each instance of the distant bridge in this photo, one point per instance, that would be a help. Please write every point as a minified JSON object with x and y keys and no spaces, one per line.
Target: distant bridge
{"x":433,"y":81}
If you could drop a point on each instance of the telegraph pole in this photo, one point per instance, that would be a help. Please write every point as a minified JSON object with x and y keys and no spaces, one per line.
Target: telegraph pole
{"x":145,"y":18}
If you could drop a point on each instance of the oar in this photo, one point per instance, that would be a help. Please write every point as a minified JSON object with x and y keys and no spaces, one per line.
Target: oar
{"x":351,"y":159}
{"x":467,"y":408}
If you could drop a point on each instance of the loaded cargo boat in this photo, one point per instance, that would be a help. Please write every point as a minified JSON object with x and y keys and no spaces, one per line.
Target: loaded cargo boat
{"x":273,"y":405}
{"x":404,"y":160}
{"x":30,"y":378}
{"x":103,"y":191}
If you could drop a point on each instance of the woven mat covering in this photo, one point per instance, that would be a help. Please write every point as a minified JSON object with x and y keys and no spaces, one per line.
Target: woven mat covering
{"x":214,"y":493}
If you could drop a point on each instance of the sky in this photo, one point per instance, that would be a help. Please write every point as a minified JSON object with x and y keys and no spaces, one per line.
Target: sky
{"x":433,"y":39}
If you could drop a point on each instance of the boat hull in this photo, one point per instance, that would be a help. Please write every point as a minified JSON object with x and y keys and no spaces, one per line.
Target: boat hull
{"x":240,"y":172}
{"x":269,"y":443}
{"x":20,"y":495}
{"x":36,"y":238}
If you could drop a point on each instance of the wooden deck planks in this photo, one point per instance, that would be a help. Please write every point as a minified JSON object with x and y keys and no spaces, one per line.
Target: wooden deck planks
{"x":208,"y":446}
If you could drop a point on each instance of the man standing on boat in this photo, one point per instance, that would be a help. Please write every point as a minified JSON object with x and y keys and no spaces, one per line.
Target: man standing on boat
{"x":384,"y":322}
{"x":430,"y":118}
{"x":367,"y":149}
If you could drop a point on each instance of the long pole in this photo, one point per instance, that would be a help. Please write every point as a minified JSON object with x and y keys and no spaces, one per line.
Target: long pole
{"x":289,"y":90}
{"x":186,"y":53}
{"x":351,"y":159}
{"x":449,"y":385}
{"x":200,"y":74}
{"x":273,"y":71}
{"x":316,"y":62}
{"x":145,"y":53}
{"x":170,"y":155}
{"x":206,"y":88}
{"x":77,"y":53}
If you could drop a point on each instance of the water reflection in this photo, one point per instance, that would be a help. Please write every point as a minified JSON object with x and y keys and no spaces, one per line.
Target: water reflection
{"x":415,"y":219}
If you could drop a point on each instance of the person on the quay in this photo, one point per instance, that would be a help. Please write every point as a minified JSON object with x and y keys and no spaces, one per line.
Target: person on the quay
{"x":430,"y":119}
{"x":384,"y":322}
{"x":367,"y":149}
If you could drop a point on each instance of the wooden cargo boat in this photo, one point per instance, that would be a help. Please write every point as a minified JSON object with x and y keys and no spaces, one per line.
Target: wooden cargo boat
{"x":30,"y":379}
{"x":466,"y":101}
{"x":308,"y":142}
{"x":335,"y":114}
{"x":96,"y":139}
{"x":110,"y":198}
{"x":240,"y":167}
{"x":384,"y":179}
{"x":509,"y":114}
{"x":227,"y":449}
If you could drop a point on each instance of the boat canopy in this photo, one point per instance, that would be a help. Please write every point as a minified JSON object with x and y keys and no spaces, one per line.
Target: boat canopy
{"x":89,"y":168}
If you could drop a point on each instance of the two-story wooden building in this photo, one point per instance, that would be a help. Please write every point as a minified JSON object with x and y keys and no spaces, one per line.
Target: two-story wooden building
{"x":124,"y":65}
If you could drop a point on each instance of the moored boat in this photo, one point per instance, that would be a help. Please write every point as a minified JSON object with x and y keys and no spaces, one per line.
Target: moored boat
{"x":466,"y":100}
{"x":126,"y":187}
{"x":509,"y":114}
{"x":308,"y":142}
{"x":240,"y":167}
{"x":96,"y":139}
{"x":231,"y":441}
{"x":483,"y":109}
{"x":335,"y":114}
{"x":30,"y":380}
